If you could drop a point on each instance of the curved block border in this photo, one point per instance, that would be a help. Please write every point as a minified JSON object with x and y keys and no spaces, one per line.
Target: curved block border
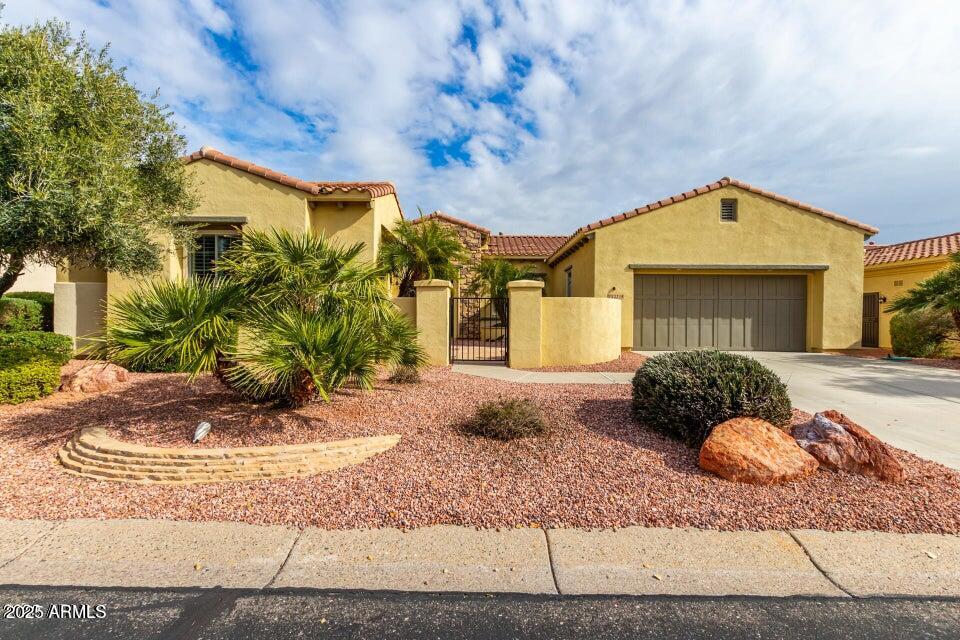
{"x":92,"y":453}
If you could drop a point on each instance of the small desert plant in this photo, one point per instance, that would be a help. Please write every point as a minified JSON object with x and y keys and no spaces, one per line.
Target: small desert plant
{"x":920,"y":334}
{"x":506,"y":420}
{"x":27,"y":374}
{"x":44,"y":299}
{"x":405,"y":374}
{"x":54,"y":345}
{"x":17,"y":314}
{"x":687,"y":393}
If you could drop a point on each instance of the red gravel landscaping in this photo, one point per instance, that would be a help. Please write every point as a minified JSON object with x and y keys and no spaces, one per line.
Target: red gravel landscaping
{"x":627,"y":362}
{"x":595,"y":469}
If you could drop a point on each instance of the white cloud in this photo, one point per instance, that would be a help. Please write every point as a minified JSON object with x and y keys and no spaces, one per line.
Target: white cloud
{"x":852,"y":106}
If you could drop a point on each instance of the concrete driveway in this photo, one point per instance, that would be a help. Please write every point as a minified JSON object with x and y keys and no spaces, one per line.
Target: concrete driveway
{"x":910,"y":406}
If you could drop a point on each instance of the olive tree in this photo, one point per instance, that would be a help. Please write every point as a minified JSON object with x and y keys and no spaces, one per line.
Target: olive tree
{"x":90,"y":168}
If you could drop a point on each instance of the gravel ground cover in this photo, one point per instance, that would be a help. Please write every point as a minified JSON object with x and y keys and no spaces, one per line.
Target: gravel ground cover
{"x":876,"y":354}
{"x":627,"y":362}
{"x":595,"y":469}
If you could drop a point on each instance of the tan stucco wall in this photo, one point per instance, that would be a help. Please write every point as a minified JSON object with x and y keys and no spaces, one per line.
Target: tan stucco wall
{"x":433,"y":319}
{"x":880,"y":279}
{"x":579,"y":330}
{"x":408,"y":307}
{"x":583,"y":261}
{"x":766,"y":233}
{"x":79,"y":311}
{"x":526,"y":326}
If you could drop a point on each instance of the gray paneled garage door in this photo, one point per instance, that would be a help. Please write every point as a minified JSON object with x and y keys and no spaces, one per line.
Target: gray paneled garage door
{"x":750,"y":313}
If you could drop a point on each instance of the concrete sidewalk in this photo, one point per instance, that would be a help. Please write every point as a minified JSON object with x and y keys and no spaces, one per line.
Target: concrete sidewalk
{"x":629,"y":561}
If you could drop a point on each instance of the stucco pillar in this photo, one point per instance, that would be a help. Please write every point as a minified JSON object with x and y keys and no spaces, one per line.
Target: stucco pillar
{"x":433,"y":319}
{"x":525,"y":318}
{"x":79,"y":311}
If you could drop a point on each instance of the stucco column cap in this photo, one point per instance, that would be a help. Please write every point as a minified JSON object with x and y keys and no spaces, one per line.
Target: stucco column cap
{"x":419,"y":284}
{"x":525,"y":284}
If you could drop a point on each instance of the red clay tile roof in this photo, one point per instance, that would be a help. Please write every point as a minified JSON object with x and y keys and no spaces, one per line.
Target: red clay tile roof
{"x":534,"y":246}
{"x":375,"y":189}
{"x":440,"y":215}
{"x":713,"y":186}
{"x":912,"y":250}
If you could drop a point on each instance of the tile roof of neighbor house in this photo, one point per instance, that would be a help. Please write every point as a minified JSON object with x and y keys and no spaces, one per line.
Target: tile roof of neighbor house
{"x":375,"y":189}
{"x":713,"y":186}
{"x":440,"y":215}
{"x":525,"y":245}
{"x":875,"y":254}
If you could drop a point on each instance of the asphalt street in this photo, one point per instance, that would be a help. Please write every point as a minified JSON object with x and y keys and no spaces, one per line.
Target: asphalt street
{"x":175,"y":614}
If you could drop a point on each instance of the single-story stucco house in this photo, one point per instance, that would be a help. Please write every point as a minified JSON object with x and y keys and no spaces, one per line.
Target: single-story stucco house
{"x":891,"y":270}
{"x":235,"y":195}
{"x":725,"y":265}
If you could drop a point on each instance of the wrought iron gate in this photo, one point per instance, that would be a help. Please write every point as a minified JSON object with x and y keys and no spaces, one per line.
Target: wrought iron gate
{"x":871,"y":320}
{"x":479,"y":329}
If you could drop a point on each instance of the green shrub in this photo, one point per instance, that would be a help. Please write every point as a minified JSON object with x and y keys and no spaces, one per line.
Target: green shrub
{"x":506,"y":420}
{"x":26,"y":374}
{"x":17,"y":314}
{"x":54,"y":345}
{"x":687,"y":393}
{"x":44,"y":299}
{"x":405,"y":374}
{"x":920,"y":334}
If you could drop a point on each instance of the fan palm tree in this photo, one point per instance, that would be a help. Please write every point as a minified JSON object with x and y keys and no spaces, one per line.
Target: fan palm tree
{"x":290,"y":317}
{"x":491,"y":277}
{"x":422,"y":251}
{"x":940,"y":292}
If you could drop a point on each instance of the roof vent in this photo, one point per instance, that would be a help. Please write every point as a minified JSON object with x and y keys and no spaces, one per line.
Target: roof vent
{"x":728,"y":210}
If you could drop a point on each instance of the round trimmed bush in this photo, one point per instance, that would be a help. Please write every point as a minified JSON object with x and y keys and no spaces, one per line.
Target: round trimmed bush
{"x":687,"y":393}
{"x":17,"y":314}
{"x":506,"y":420}
{"x":44,"y":299}
{"x":58,"y":347}
{"x":920,"y":334}
{"x":26,"y":374}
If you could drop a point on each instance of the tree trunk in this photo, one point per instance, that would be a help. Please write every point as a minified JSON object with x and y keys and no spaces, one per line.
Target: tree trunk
{"x":956,"y":320}
{"x":14,"y":268}
{"x":304,"y":391}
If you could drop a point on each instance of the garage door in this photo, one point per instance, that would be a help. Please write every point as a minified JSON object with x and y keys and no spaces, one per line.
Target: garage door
{"x":749,"y":313}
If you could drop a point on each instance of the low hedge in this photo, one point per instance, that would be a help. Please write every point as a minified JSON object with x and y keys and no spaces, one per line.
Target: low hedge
{"x":58,"y":347}
{"x":26,"y":374}
{"x":920,"y":334}
{"x":44,"y":299}
{"x":18,"y":314}
{"x":687,"y":393}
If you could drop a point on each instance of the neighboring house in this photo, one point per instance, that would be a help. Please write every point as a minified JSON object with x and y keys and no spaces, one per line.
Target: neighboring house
{"x":35,"y":277}
{"x":890,"y":271}
{"x":236,"y":195}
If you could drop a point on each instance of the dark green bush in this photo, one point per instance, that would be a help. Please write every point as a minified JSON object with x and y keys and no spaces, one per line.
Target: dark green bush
{"x":405,"y":374}
{"x":58,"y":347}
{"x":26,"y":374}
{"x":920,"y":334}
{"x":506,"y":420}
{"x":17,"y":314}
{"x":687,"y":393}
{"x":44,"y":299}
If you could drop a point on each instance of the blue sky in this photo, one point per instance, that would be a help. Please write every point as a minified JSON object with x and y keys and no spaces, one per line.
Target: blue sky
{"x":538,"y":117}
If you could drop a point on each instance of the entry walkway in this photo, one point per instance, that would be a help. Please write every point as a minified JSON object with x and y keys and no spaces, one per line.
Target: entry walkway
{"x":912,"y":407}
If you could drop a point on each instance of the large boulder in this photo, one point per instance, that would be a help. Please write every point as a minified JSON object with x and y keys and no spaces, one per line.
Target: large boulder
{"x":842,"y":445}
{"x":754,"y":451}
{"x":91,"y":378}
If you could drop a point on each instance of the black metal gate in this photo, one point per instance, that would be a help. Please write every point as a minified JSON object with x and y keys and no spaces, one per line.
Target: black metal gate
{"x":871,"y":320}
{"x":479,"y":329}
